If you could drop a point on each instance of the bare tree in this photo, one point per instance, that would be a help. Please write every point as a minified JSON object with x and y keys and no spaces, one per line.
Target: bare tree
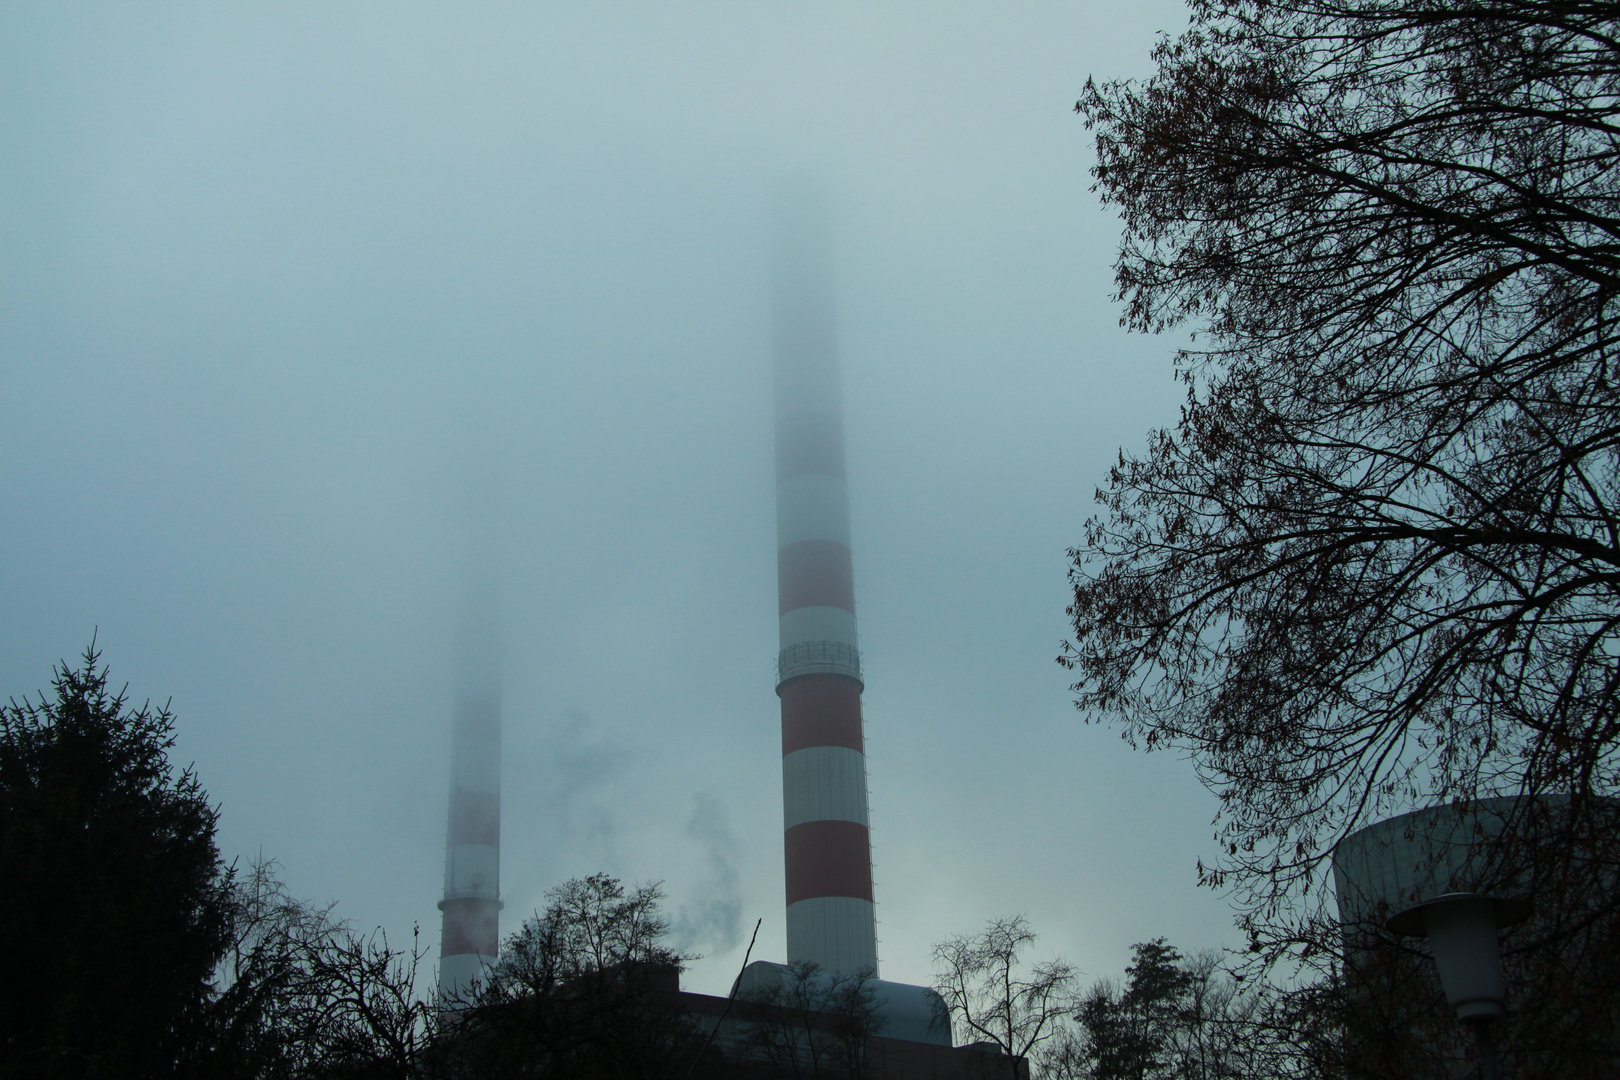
{"x":813,"y":1023}
{"x":1376,"y":564}
{"x":997,"y":995}
{"x":1174,"y":1017}
{"x":259,"y":1022}
{"x":586,"y":988}
{"x":300,"y":994}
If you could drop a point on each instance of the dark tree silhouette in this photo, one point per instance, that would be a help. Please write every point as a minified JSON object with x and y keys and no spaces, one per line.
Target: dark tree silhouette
{"x":114,"y":905}
{"x":300,"y":994}
{"x":1377,"y":562}
{"x":131,"y":951}
{"x":813,"y":1024}
{"x":1178,"y":1018}
{"x":586,"y":988}
{"x":1000,"y":998}
{"x":1131,"y":1033}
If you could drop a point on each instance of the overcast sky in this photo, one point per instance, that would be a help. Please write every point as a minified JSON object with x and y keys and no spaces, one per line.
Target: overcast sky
{"x":302,"y":303}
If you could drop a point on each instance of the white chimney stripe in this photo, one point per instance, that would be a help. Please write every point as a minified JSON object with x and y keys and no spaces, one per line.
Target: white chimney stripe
{"x":459,"y":971}
{"x":837,"y":932}
{"x":812,"y":506}
{"x":473,"y":870}
{"x":478,"y":765}
{"x":823,"y":783}
{"x":808,"y":385}
{"x":818,"y":624}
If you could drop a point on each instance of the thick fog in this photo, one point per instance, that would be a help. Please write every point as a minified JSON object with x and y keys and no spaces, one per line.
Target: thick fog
{"x":312,"y":315}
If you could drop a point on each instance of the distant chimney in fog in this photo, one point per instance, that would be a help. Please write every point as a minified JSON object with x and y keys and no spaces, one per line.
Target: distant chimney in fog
{"x":470,"y":936}
{"x":827,"y":851}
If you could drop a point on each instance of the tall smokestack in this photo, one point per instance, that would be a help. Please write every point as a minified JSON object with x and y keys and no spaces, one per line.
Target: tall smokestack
{"x":830,"y":918}
{"x":470,"y":936}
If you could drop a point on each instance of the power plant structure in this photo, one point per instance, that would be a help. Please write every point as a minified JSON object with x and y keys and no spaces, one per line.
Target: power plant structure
{"x":470,"y":936}
{"x":827,"y":853}
{"x":826,"y":842}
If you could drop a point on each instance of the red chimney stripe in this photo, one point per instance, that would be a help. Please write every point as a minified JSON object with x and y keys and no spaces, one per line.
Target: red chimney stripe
{"x":828,"y":858}
{"x":470,"y":927}
{"x":475,"y":817}
{"x":821,"y":710}
{"x":814,"y":573}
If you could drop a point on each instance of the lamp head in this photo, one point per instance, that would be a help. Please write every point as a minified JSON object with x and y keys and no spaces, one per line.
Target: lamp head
{"x":1461,"y":928}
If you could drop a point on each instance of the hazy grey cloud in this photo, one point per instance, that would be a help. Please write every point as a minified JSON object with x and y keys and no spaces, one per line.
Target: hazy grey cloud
{"x":577,"y":787}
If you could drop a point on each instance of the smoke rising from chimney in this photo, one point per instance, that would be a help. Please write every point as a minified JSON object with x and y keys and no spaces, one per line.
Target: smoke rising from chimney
{"x":712,"y":924}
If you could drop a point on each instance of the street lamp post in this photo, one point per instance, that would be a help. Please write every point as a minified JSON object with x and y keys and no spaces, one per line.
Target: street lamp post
{"x":1461,"y":929}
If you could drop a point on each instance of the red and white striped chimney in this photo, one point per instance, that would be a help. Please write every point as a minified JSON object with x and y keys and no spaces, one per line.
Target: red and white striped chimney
{"x":830,"y":918}
{"x":470,"y":936}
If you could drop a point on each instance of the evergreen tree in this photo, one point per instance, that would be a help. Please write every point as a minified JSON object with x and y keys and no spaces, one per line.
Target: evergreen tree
{"x":114,"y":904}
{"x":1130,"y":1033}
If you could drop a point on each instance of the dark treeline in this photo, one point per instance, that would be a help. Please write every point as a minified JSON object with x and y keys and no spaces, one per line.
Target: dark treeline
{"x":132,"y":949}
